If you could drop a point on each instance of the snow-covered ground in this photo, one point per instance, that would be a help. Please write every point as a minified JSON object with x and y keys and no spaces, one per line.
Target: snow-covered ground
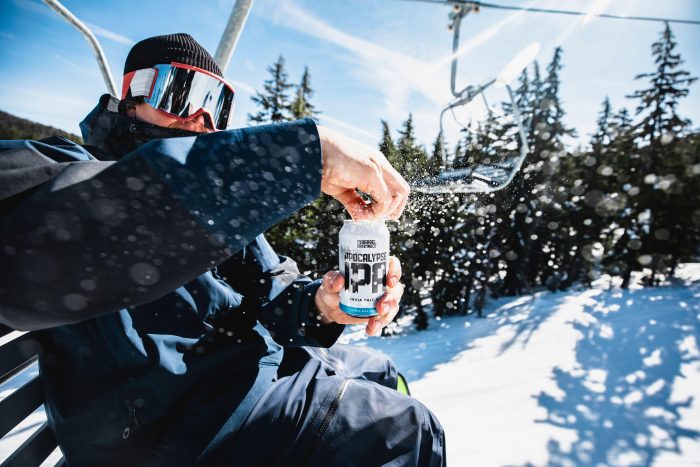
{"x":583,"y":377}
{"x":590,"y":377}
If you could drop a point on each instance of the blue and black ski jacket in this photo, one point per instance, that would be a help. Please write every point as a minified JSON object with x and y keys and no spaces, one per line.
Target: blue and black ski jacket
{"x":111,"y":251}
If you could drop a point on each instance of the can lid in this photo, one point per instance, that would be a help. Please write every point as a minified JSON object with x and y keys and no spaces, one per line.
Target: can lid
{"x":366,"y":221}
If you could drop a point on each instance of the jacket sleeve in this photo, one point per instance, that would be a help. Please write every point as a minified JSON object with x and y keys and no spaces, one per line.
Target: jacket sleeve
{"x":101,"y":236}
{"x":278,"y":296}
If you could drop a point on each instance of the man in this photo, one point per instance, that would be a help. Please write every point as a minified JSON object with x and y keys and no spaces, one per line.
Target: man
{"x":152,"y":354}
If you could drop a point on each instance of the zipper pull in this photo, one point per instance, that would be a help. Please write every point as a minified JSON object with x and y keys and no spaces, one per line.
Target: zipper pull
{"x":132,"y":421}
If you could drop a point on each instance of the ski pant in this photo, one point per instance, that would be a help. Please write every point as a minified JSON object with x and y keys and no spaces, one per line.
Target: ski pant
{"x":337,"y":407}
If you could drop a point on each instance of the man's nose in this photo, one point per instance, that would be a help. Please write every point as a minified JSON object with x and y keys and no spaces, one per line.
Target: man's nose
{"x":202,"y":119}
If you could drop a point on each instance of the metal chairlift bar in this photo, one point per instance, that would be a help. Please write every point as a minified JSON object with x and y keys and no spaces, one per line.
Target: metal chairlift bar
{"x":92,"y":40}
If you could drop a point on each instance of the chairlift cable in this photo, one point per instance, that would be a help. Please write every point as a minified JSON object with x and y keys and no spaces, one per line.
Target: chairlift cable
{"x":559,"y":12}
{"x":482,"y":178}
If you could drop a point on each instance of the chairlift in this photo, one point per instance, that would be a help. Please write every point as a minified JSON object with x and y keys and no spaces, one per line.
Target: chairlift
{"x":486,"y":176}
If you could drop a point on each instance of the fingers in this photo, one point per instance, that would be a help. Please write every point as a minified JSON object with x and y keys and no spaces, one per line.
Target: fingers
{"x":357,"y":207}
{"x":349,"y":164}
{"x":328,"y":301}
{"x":373,"y":328}
{"x":388,"y":305}
{"x":394,"y":274}
{"x":400,"y":191}
{"x":387,"y":308}
{"x":396,"y":213}
{"x":376,"y":187}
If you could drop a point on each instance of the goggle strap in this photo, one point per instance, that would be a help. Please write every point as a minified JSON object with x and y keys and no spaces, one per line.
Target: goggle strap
{"x":142,"y":82}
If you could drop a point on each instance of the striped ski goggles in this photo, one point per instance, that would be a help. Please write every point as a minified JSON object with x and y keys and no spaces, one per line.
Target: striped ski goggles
{"x":183,"y":91}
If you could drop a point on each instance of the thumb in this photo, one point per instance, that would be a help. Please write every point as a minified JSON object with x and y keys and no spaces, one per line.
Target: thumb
{"x":357,"y":207}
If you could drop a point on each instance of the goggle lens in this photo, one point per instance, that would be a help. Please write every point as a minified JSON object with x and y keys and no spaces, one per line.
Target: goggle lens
{"x":183,"y":91}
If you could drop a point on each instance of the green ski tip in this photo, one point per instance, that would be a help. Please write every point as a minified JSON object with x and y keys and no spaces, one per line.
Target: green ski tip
{"x":402,"y":386}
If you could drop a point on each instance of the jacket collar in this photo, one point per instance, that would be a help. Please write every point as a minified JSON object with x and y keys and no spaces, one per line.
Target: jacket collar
{"x":110,"y":135}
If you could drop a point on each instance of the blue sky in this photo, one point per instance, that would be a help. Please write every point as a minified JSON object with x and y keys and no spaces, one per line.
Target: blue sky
{"x":369,"y":59}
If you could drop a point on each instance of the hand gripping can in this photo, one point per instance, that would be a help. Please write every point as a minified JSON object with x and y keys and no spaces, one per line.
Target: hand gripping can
{"x":364,"y":263}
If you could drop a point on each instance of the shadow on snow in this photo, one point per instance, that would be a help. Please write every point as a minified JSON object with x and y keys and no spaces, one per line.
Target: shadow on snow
{"x":619,"y":398}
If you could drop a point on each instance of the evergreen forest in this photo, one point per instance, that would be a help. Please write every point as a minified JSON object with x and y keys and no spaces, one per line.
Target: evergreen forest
{"x":626,"y":200}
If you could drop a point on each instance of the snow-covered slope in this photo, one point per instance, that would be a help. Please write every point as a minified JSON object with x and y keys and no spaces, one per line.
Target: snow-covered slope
{"x":589,"y":377}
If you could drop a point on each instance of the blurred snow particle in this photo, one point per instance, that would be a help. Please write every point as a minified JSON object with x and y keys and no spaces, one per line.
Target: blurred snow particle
{"x":667,"y":138}
{"x":134,"y":183}
{"x":654,"y":359}
{"x":634,"y":244}
{"x":104,"y":208}
{"x":144,"y":274}
{"x":88,"y":285}
{"x":662,"y":234}
{"x":606,"y":332}
{"x":593,"y":197}
{"x":650,"y":179}
{"x":74,"y":301}
{"x":593,"y":251}
{"x":605,"y":170}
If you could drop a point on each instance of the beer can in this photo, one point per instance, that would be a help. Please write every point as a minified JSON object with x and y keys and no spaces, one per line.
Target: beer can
{"x":364,"y":263}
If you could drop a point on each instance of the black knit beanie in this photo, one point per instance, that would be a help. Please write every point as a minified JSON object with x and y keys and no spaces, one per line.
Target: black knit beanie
{"x":181,"y":48}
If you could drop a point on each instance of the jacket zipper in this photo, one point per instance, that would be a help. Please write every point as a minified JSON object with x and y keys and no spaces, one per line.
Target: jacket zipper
{"x":332,"y":409}
{"x":132,"y":422}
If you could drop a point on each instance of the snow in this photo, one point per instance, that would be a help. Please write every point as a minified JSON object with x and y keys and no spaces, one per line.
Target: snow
{"x":583,"y":377}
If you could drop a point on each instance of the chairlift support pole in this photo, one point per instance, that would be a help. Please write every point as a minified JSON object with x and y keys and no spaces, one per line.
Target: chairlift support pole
{"x":483,"y":178}
{"x":91,"y":39}
{"x":232,"y":32}
{"x":459,"y":11}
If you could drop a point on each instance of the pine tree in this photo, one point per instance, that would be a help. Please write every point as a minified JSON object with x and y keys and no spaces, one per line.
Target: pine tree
{"x":520,"y":241}
{"x":411,"y":162}
{"x":437,"y":160}
{"x":668,"y":85}
{"x":458,"y":159}
{"x":302,"y":107}
{"x":554,"y":115}
{"x":274,"y":100}
{"x":309,"y":236}
{"x":413,"y":157}
{"x":659,"y":132}
{"x":387,"y":146}
{"x":515,"y":208}
{"x":588,"y":180}
{"x":601,"y":137}
{"x":467,"y":151}
{"x":549,"y":184}
{"x":621,"y":248}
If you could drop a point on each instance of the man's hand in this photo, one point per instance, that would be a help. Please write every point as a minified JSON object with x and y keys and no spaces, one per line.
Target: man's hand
{"x":349,"y":164}
{"x":328,"y":300}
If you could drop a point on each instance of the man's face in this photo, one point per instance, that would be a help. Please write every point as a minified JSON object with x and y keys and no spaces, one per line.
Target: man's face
{"x":146,"y":113}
